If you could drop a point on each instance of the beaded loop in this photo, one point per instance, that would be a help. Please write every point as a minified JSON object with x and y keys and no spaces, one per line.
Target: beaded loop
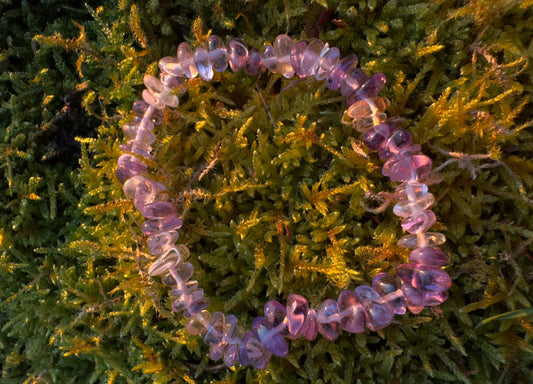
{"x":416,"y":285}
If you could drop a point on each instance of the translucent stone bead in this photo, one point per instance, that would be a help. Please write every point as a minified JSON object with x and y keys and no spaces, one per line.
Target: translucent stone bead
{"x":196,"y":325}
{"x":158,"y":210}
{"x":237,"y":54}
{"x":419,"y":221}
{"x":312,"y":56}
{"x":353,"y":81}
{"x":158,"y":94}
{"x":172,"y":82}
{"x":379,"y":312}
{"x":297,"y":307}
{"x":130,"y":130}
{"x":186,"y":300}
{"x":217,"y":53}
{"x":337,"y":74}
{"x":406,"y":166}
{"x":139,"y":107}
{"x":428,"y":256}
{"x":399,"y":140}
{"x":373,"y":86}
{"x":367,"y":107}
{"x":141,"y":150}
{"x":275,"y":314}
{"x":422,"y":239}
{"x":215,"y":329}
{"x":181,"y":288}
{"x":253,"y":352}
{"x":146,"y":193}
{"x":128,"y":167}
{"x":376,"y":136}
{"x":131,"y":185}
{"x":282,"y":49}
{"x":225,"y":347}
{"x":327,"y":63}
{"x":430,"y":284}
{"x":297,"y":53}
{"x":153,"y":226}
{"x":186,"y":60}
{"x":270,"y":61}
{"x":413,"y":192}
{"x":328,"y":327}
{"x":171,"y":65}
{"x":352,"y":316}
{"x":254,"y":63}
{"x":309,"y":328}
{"x":203,"y":64}
{"x":153,"y":100}
{"x":387,"y":285}
{"x":170,"y":259}
{"x":270,"y":337}
{"x":160,"y":242}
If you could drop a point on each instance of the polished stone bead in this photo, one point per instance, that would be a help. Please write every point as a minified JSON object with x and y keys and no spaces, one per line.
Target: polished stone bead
{"x":153,"y":226}
{"x":203,"y":64}
{"x":311,"y":57}
{"x":297,"y":307}
{"x":270,"y":337}
{"x":309,"y":328}
{"x":231,"y":355}
{"x":428,"y":256}
{"x":327,"y":63}
{"x":353,"y":81}
{"x":253,"y":352}
{"x":146,"y":193}
{"x":254,"y":64}
{"x":217,"y":53}
{"x":139,"y":107}
{"x":430,"y":284}
{"x":170,"y":259}
{"x":181,"y":288}
{"x":187,"y":300}
{"x":131,"y":185}
{"x":372,"y":87}
{"x":173,"y":82}
{"x":158,"y":210}
{"x":196,"y":325}
{"x":130,"y":130}
{"x":141,"y":150}
{"x":376,"y":136}
{"x":352,"y":316}
{"x":406,"y":166}
{"x":413,"y":192}
{"x":423,"y":239}
{"x":275,"y":314}
{"x":337,"y":74}
{"x":379,"y":312}
{"x":186,"y":60}
{"x":282,"y":49}
{"x":215,"y":329}
{"x":159,"y":94}
{"x":153,"y":99}
{"x":419,"y":221}
{"x":297,"y":53}
{"x":237,"y":54}
{"x":399,"y":140}
{"x":128,"y":167}
{"x":160,"y":242}
{"x":180,"y":275}
{"x":270,"y":61}
{"x":389,"y":287}
{"x":327,"y":319}
{"x":171,"y":65}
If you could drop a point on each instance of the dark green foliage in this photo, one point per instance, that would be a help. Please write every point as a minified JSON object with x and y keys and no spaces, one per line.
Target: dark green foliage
{"x":275,"y":189}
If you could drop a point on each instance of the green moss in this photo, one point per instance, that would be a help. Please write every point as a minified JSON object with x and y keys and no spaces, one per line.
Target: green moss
{"x":274,"y":189}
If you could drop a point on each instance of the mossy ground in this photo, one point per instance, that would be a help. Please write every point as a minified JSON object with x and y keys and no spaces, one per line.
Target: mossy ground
{"x":274,"y":188}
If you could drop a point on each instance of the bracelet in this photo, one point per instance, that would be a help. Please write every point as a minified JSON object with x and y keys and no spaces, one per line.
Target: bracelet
{"x":418,"y":284}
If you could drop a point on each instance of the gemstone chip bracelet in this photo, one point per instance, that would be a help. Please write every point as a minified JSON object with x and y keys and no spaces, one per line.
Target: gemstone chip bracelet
{"x":418,"y":284}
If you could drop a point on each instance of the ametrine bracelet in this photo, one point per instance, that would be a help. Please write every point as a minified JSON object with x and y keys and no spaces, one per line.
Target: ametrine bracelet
{"x":418,"y":284}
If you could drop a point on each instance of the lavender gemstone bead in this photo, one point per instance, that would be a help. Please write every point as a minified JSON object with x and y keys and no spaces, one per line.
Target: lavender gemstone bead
{"x":160,"y":242}
{"x":282,"y":49}
{"x":179,"y":276}
{"x":251,"y":351}
{"x":170,"y":259}
{"x":270,"y":61}
{"x":203,"y":64}
{"x":237,"y":54}
{"x":297,"y":307}
{"x":186,"y":60}
{"x":196,"y":324}
{"x":419,"y":221}
{"x":171,"y":65}
{"x":353,"y":81}
{"x":327,"y":63}
{"x":153,"y":226}
{"x":376,"y":136}
{"x":270,"y":337}
{"x":372,"y":87}
{"x":389,"y":287}
{"x":254,"y":63}
{"x":309,"y":328}
{"x":197,"y":304}
{"x":153,"y":100}
{"x":275,"y":314}
{"x":379,"y":312}
{"x":406,"y":208}
{"x":217,"y":53}
{"x":297,"y":53}
{"x":215,"y":329}
{"x":129,"y":167}
{"x":431,"y":283}
{"x":158,"y":210}
{"x":410,"y":192}
{"x":187,"y":301}
{"x":399,"y":140}
{"x":428,"y":256}
{"x":312,"y":57}
{"x":327,"y":311}
{"x":407,"y":167}
{"x":338,"y":72}
{"x":146,"y":193}
{"x":425,"y":239}
{"x":351,"y":312}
